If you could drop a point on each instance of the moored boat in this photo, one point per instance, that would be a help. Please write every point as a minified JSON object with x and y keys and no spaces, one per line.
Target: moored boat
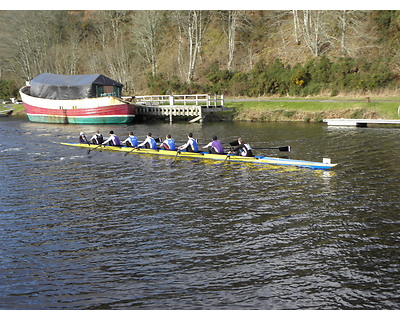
{"x":6,"y":113}
{"x":79,"y":99}
{"x":325,"y":165}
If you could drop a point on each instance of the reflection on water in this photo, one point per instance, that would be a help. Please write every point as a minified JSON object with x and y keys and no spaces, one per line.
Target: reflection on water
{"x":142,"y":232}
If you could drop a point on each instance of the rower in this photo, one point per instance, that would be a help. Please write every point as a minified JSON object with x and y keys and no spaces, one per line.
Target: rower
{"x":215,"y":146}
{"x":149,"y":143}
{"x":190,"y":145}
{"x":241,"y":148}
{"x":97,"y":138}
{"x":82,"y":138}
{"x":168,"y":143}
{"x":131,"y":141}
{"x":113,"y":140}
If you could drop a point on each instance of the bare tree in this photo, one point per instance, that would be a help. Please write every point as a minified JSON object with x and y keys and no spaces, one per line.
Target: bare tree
{"x":31,"y":35}
{"x":312,"y":28}
{"x":296,"y":26}
{"x":69,"y":53}
{"x":193,"y":25}
{"x":232,"y":26}
{"x":232,"y":22}
{"x":118,"y":64}
{"x":110,"y":26}
{"x":148,"y":32}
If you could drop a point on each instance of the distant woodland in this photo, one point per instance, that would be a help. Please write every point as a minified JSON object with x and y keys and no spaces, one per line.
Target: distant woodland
{"x":237,"y":53}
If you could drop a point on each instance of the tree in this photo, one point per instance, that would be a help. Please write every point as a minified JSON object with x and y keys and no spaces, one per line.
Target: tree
{"x":148,"y":32}
{"x":231,"y":23}
{"x":312,"y":29}
{"x":296,"y":25}
{"x":68,"y":53}
{"x":192,"y":25}
{"x":31,"y":36}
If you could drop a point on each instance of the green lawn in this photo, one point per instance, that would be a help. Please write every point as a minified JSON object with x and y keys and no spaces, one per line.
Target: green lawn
{"x":328,"y":108}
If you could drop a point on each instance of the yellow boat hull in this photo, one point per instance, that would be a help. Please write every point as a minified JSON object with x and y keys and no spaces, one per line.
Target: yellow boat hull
{"x":207,"y":156}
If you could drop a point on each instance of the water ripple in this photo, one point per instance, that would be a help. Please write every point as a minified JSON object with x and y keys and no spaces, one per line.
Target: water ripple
{"x":138,"y":232}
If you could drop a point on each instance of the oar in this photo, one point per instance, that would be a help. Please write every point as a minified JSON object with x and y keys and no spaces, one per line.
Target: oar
{"x":176,"y":156}
{"x":99,"y":146}
{"x":94,"y":148}
{"x":227,"y":157}
{"x":285,"y":148}
{"x":133,"y":149}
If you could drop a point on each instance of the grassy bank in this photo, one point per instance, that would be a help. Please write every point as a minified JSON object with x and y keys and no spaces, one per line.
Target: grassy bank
{"x":313,"y":110}
{"x":19,"y":109}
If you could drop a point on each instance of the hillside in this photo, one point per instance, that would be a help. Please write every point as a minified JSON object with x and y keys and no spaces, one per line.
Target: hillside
{"x":238,"y":53}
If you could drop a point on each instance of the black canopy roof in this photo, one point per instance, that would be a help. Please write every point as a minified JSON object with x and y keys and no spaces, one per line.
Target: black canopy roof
{"x":64,"y":87}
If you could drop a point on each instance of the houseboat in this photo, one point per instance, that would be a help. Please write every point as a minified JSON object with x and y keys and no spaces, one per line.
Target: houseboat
{"x":79,"y":99}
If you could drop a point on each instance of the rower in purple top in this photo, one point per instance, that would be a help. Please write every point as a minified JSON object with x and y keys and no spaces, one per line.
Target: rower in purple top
{"x":113,"y":140}
{"x":215,"y":146}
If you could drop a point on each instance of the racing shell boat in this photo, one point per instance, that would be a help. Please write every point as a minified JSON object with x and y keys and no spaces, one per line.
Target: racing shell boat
{"x":82,"y":99}
{"x":325,"y":165}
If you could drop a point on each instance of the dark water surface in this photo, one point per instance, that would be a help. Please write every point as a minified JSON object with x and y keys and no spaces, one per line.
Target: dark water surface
{"x":138,"y":232}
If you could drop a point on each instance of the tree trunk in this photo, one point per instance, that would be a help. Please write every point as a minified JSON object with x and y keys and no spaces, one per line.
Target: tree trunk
{"x":194,"y":24}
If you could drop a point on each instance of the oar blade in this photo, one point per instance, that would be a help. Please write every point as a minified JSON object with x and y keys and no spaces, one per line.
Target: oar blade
{"x":284,"y":149}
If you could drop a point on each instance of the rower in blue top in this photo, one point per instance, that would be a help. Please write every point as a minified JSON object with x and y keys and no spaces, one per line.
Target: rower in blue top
{"x":168,"y":143}
{"x":190,"y":145}
{"x":131,"y":141}
{"x":149,"y":143}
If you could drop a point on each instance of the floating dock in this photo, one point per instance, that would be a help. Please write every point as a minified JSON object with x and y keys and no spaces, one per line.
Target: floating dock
{"x":360,"y":122}
{"x":195,"y":106}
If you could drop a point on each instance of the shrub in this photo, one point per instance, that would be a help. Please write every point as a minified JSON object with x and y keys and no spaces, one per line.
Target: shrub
{"x":8,"y":89}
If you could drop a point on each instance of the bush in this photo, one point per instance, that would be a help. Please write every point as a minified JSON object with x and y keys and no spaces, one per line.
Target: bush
{"x":8,"y":89}
{"x":316,"y":75}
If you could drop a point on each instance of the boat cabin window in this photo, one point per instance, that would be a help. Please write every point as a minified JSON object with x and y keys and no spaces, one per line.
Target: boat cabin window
{"x":103,"y":91}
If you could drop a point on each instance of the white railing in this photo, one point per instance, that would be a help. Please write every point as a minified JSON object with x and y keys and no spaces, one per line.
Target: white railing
{"x":186,"y":99}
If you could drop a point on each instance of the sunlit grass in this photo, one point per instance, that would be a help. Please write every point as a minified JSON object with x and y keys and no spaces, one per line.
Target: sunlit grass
{"x":309,"y":110}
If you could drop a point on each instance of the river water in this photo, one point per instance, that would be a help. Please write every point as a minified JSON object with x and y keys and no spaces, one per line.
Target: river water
{"x":141,"y":232}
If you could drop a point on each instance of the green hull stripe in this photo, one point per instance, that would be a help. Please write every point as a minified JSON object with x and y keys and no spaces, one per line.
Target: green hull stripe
{"x":81,"y":120}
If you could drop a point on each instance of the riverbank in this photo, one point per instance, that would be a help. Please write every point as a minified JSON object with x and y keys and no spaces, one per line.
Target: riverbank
{"x":19,"y":109}
{"x":302,"y":110}
{"x":313,"y":110}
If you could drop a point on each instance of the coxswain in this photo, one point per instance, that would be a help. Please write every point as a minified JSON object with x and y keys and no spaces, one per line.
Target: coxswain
{"x":82,"y":138}
{"x":148,"y":143}
{"x":215,"y":146}
{"x":97,"y":138}
{"x":190,"y":145}
{"x":112,"y":140}
{"x":241,"y":148}
{"x":131,"y":141}
{"x":168,"y":143}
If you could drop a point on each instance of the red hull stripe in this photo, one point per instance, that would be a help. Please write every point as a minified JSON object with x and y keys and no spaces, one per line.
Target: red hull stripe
{"x":117,"y":110}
